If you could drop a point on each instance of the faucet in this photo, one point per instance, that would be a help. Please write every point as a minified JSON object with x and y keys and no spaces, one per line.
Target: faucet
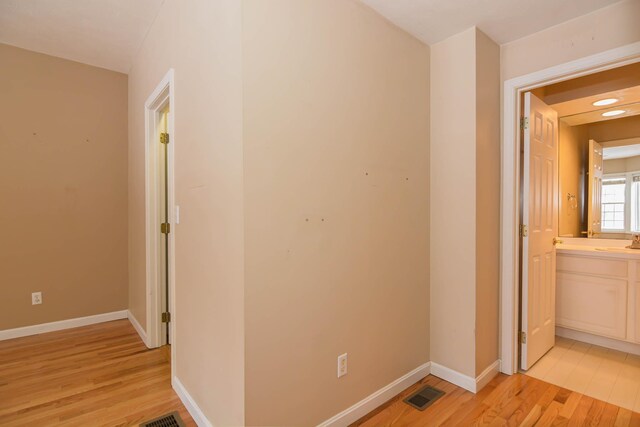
{"x":635,"y":243}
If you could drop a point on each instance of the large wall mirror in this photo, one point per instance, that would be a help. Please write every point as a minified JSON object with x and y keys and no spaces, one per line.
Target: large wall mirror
{"x":599,"y":169}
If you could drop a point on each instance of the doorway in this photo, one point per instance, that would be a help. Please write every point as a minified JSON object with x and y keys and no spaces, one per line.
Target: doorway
{"x":580,"y":206}
{"x":511,"y":185}
{"x":160,"y":212}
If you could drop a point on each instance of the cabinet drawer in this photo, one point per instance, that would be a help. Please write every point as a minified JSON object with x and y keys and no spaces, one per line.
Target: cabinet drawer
{"x":592,"y":304}
{"x":589,"y":265}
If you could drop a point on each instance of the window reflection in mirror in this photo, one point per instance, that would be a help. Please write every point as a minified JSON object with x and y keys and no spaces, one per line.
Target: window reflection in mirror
{"x":621,"y":188}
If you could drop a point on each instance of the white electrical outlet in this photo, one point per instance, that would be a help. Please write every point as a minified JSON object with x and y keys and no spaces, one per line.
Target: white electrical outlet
{"x":342,"y":365}
{"x":36,"y":298}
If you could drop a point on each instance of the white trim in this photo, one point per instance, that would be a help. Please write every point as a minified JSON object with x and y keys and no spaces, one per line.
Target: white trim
{"x":189,"y":403}
{"x":487,"y":375}
{"x":162,"y":95}
{"x":378,"y":398}
{"x":139,"y":329}
{"x":623,"y":346}
{"x":454,"y":377}
{"x":468,"y":383}
{"x":61,"y":325}
{"x":509,"y":215}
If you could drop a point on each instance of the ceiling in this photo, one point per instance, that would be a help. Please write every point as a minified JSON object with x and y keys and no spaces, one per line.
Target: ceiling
{"x":503,"y":20}
{"x":107,"y":33}
{"x":104,"y":33}
{"x":581,"y":111}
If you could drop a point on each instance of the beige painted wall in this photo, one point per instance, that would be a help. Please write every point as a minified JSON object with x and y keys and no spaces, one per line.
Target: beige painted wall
{"x":573,"y":143}
{"x":336,"y":156}
{"x":601,"y":30}
{"x":465,"y":202}
{"x":487,"y":200}
{"x":453,"y":200}
{"x":63,"y":187}
{"x":201,"y":40}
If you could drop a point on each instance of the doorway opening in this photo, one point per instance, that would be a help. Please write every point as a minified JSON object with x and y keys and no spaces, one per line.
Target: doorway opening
{"x":512,"y":191}
{"x":160,"y":208}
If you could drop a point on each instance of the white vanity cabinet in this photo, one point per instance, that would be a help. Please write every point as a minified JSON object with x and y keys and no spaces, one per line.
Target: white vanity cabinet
{"x":597,"y":292}
{"x":634,"y":306}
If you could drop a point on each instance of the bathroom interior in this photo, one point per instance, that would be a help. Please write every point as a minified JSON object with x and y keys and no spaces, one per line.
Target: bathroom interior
{"x":596,"y":345}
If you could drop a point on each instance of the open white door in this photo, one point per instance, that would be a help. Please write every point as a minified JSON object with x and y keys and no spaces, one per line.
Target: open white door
{"x":540,"y":226}
{"x":594,"y":216}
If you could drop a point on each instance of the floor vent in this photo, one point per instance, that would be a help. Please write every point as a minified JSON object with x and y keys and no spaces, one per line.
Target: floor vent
{"x":424,"y":397}
{"x":169,"y":420}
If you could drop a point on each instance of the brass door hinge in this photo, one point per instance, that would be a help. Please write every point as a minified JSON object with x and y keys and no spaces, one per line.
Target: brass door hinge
{"x":165,"y":228}
{"x":523,"y":337}
{"x":524,"y":123}
{"x":524,"y":230}
{"x":166,"y":317}
{"x":164,"y":138}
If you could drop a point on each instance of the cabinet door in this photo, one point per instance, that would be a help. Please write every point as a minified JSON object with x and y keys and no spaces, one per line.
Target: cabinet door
{"x":635,"y":313}
{"x":592,"y":304}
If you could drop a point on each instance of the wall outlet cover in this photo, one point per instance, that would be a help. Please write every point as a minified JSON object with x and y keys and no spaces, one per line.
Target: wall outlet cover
{"x":342,"y":365}
{"x":36,"y":298}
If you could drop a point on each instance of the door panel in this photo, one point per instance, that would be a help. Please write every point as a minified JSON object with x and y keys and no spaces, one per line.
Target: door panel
{"x":540,"y":215}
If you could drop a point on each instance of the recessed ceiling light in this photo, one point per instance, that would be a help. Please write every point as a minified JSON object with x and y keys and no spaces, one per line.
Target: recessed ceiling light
{"x":604,"y":102}
{"x":613,"y":113}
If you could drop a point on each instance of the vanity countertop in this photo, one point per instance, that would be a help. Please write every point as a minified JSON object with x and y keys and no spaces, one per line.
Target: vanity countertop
{"x":600,"y":250}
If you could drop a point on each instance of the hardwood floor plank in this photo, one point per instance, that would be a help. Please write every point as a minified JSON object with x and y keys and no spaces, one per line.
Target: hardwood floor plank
{"x":515,"y":400}
{"x":624,"y":418}
{"x":97,"y":375}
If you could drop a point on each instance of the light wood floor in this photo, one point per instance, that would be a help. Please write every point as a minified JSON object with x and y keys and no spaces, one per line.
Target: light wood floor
{"x":99,"y":375}
{"x":516,"y":400}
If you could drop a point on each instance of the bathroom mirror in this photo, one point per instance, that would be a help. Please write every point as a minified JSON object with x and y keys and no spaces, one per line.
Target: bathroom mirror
{"x":599,"y":171}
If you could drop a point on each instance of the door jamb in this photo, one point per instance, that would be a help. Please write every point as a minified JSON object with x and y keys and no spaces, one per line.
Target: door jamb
{"x":162,"y":95}
{"x":510,"y":182}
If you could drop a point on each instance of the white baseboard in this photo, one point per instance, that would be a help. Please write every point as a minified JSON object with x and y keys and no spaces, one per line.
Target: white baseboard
{"x":378,"y":398}
{"x":624,"y":346}
{"x":454,"y":377}
{"x":487,"y":375}
{"x":471,"y":384}
{"x":62,"y":324}
{"x":139,"y":329}
{"x":191,"y":405}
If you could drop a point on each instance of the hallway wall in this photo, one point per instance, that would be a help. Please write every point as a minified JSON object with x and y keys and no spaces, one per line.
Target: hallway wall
{"x":201,"y":41}
{"x":63,"y":188}
{"x":453,"y":202}
{"x":336,"y":167}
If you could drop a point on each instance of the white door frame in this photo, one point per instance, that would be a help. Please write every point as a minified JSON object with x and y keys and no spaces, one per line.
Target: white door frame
{"x":510,"y":182}
{"x":162,"y":96}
